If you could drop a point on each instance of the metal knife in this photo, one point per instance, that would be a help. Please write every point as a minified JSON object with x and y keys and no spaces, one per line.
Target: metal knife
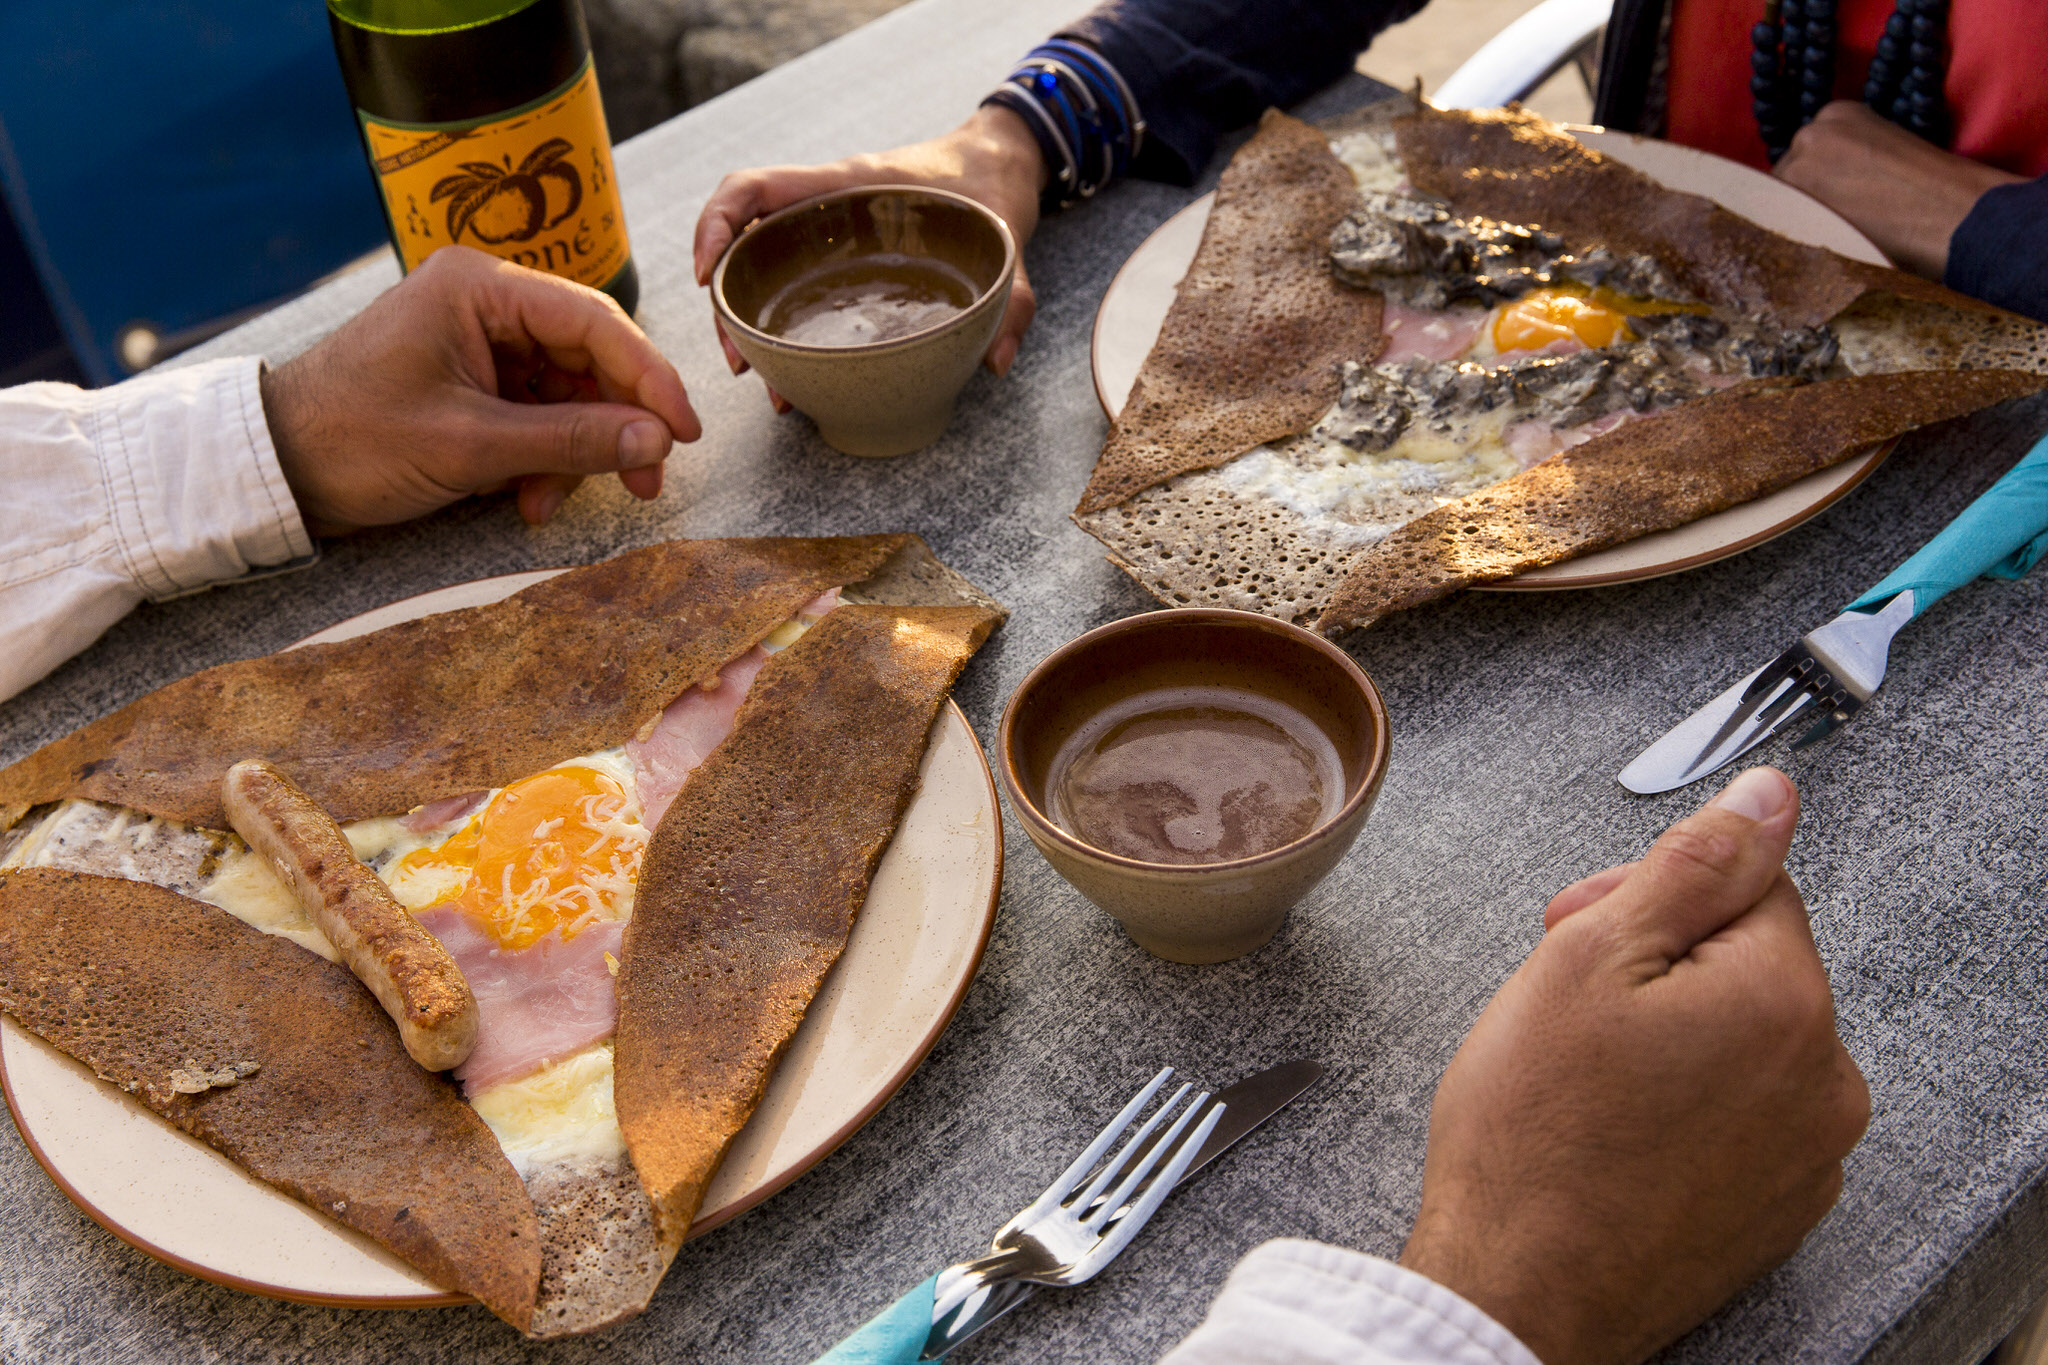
{"x":1829,"y":673}
{"x":1248,"y":1104}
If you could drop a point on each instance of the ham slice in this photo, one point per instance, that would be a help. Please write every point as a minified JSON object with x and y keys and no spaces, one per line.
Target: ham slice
{"x":1561,"y":346}
{"x":1428,"y":334}
{"x":539,"y":1004}
{"x":687,"y":732}
{"x":534,"y":1005}
{"x":1532,"y":441}
{"x":435,"y":814}
{"x":696,"y":723}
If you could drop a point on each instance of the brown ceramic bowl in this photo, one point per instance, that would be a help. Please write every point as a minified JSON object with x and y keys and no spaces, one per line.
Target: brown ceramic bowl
{"x":884,"y":397}
{"x":1198,"y":912}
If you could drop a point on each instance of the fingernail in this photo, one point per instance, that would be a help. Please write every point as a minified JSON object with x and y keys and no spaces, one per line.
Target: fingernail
{"x":1758,"y":794}
{"x":1005,"y":356}
{"x":546,"y":503}
{"x":642,"y":444}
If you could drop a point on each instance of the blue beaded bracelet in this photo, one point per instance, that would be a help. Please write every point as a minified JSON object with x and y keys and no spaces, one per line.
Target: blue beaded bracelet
{"x":1080,"y":112}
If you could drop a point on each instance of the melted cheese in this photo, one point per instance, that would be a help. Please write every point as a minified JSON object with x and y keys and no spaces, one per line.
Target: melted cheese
{"x":249,"y":889}
{"x":1354,"y":498}
{"x":1373,"y":163}
{"x":563,"y":1112}
{"x":115,"y":835}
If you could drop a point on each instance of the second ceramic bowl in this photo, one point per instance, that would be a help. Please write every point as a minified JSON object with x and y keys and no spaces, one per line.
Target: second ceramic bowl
{"x":1195,"y":912}
{"x":892,"y":395}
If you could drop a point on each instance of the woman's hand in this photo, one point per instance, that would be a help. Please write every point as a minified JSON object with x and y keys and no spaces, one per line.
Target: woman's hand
{"x":472,"y":375}
{"x":990,"y":158}
{"x":1902,"y":192}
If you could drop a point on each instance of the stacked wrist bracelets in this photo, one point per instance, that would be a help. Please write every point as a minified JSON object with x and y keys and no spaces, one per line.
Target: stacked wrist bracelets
{"x":1081,"y":113}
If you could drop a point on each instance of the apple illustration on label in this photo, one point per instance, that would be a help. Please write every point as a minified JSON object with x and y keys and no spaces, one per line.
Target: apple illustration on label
{"x":500,"y":204}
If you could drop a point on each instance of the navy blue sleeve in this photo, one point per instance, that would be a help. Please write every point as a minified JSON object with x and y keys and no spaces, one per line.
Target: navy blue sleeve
{"x":1999,"y":253}
{"x":1200,"y":68}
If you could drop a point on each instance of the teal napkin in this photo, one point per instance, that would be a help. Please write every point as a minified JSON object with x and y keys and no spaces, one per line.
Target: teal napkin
{"x":2000,"y":535}
{"x":894,"y":1336}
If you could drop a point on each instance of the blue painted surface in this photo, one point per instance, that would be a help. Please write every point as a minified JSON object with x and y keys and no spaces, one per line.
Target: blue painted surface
{"x":176,"y":162}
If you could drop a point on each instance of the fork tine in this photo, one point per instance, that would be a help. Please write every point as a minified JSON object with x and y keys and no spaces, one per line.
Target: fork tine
{"x":1779,"y":679}
{"x":1094,"y":1221}
{"x":1057,"y":1192}
{"x":1132,"y":1223}
{"x":1811,"y":684}
{"x":1777,"y":670}
{"x":1116,"y":1163}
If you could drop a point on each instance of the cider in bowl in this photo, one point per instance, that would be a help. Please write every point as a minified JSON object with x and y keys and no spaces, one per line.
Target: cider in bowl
{"x":1195,"y":772}
{"x":869,"y":309}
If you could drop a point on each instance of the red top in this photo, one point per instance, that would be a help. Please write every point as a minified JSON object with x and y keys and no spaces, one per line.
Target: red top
{"x":1997,"y":83}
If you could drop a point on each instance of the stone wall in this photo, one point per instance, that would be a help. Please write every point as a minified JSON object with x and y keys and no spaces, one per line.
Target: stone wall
{"x":656,"y":58}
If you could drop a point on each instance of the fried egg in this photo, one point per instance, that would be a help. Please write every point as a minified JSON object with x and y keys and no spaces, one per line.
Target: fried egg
{"x":1503,"y":345}
{"x":552,"y":853}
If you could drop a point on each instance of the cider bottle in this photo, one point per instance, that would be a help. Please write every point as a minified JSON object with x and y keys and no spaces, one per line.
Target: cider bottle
{"x":483,"y":127}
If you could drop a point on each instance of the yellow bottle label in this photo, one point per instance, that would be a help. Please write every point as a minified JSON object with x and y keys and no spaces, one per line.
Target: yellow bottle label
{"x":534,"y":185}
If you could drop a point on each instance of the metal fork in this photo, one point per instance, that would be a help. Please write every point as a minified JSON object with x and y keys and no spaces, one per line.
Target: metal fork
{"x":1825,"y":677}
{"x":1070,"y":1232}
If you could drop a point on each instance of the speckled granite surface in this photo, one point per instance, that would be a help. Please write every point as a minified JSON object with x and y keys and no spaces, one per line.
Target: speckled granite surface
{"x":1923,"y":853}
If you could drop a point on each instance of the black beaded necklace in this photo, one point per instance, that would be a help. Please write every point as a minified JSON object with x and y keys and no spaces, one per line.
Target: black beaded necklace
{"x":1792,"y":68}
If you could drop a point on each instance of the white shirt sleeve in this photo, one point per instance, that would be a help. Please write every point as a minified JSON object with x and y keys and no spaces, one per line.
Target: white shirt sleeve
{"x":1303,"y":1303}
{"x":146,"y":490}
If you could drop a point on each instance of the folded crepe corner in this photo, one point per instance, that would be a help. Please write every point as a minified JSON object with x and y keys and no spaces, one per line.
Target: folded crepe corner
{"x":1251,"y":349}
{"x":1666,"y":470}
{"x":753,"y":880}
{"x":487,"y":694}
{"x":149,"y":989}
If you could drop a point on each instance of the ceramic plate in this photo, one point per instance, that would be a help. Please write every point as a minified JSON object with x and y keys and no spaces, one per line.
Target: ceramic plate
{"x":913,"y":952}
{"x":1135,"y":307}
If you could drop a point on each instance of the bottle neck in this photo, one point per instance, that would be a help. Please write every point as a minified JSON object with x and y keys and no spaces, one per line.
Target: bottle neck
{"x":459,"y":75}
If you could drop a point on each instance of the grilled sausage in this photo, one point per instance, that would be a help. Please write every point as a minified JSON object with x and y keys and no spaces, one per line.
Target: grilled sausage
{"x":390,"y":952}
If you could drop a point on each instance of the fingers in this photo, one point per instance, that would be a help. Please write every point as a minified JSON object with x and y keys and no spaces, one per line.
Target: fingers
{"x":510,"y":440}
{"x":542,"y":495}
{"x":581,"y":329}
{"x":644,"y":484}
{"x":1583,"y":893}
{"x":1708,"y":869}
{"x":1002,"y":352}
{"x":1784,"y":991}
{"x":744,"y":196}
{"x":734,"y":361}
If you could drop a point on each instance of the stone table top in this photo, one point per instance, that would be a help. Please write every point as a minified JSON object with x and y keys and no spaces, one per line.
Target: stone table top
{"x":1922,"y":853}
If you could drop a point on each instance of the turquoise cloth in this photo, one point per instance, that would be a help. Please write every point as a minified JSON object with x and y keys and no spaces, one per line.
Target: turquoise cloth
{"x":894,"y":1336}
{"x":2001,"y":535}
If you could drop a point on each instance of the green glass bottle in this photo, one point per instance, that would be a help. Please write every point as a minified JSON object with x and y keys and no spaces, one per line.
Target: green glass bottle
{"x":483,"y":126}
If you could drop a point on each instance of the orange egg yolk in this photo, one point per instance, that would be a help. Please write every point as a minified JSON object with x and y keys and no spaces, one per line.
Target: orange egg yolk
{"x":554,"y":851}
{"x":1545,"y":315}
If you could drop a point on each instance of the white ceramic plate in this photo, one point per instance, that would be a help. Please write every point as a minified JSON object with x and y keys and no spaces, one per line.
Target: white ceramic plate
{"x":906,"y":967}
{"x":1135,"y":307}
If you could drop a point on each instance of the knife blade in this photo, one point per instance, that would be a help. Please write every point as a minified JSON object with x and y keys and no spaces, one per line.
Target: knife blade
{"x":1247,"y":1104}
{"x":1835,"y":668}
{"x":1827,"y":676}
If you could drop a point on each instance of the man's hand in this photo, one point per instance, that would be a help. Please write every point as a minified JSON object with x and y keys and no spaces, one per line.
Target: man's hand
{"x":1655,"y":1108}
{"x":470,"y":376}
{"x":990,"y":158}
{"x":1905,"y":194}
